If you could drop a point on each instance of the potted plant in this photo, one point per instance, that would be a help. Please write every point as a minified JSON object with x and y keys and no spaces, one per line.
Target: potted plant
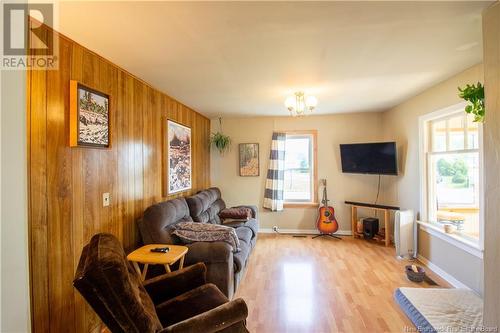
{"x":474,"y":94}
{"x":219,"y":140}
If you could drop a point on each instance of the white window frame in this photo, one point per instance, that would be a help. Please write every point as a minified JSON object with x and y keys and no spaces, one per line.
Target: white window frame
{"x":312,"y":135}
{"x":462,"y":241}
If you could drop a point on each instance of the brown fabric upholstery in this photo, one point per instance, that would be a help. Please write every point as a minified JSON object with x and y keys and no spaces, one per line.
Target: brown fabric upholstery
{"x":236,"y":213}
{"x":171,"y":285}
{"x":181,"y":299}
{"x":219,"y":259}
{"x":190,"y":304}
{"x":206,"y":205}
{"x":227,"y":318}
{"x":123,"y":306}
{"x":159,"y":219}
{"x":253,"y":209}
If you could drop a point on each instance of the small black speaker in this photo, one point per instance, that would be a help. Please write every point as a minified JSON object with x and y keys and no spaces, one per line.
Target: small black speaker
{"x":370,"y":227}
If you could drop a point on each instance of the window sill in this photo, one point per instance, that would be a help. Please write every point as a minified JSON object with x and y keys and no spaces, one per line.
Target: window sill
{"x":300,"y":204}
{"x":463,"y":242}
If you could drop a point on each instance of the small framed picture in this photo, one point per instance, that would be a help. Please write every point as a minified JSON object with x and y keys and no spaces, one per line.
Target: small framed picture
{"x":249,"y":159}
{"x":178,"y":164}
{"x":89,"y":117}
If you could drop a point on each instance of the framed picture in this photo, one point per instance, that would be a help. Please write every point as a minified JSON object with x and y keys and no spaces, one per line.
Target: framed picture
{"x":89,"y":117}
{"x":249,"y":159}
{"x":178,"y":157}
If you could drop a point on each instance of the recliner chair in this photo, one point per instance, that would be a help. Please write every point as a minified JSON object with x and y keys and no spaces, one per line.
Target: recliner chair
{"x":181,"y":301}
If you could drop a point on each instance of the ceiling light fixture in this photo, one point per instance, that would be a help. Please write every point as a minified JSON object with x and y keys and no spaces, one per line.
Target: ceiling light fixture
{"x":300,"y":104}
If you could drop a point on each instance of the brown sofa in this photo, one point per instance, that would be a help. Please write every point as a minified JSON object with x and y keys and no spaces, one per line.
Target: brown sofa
{"x":205,"y":207}
{"x":224,"y":269}
{"x":176,"y":302}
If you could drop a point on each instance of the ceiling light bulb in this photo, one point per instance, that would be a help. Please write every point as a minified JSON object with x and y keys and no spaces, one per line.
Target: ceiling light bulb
{"x":290,"y":102}
{"x":311,"y":101}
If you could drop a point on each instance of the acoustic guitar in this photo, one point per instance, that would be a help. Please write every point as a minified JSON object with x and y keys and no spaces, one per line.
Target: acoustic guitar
{"x":326,"y":224}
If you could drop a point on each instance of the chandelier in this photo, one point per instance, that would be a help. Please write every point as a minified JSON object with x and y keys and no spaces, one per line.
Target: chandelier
{"x":300,"y":104}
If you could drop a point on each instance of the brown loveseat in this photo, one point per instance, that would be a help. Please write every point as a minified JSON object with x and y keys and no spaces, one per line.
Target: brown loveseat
{"x":224,"y":269}
{"x":176,"y":302}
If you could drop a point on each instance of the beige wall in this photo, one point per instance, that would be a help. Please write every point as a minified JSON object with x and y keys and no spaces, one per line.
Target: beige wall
{"x":460,"y":264}
{"x":399,"y":124}
{"x":332,"y":131}
{"x":402,"y":125}
{"x":491,"y":29}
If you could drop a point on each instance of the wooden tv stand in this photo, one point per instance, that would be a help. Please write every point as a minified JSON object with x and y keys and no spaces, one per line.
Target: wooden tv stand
{"x":383,"y":208}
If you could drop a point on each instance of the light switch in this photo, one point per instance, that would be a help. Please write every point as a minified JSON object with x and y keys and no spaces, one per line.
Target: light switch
{"x":105,"y":199}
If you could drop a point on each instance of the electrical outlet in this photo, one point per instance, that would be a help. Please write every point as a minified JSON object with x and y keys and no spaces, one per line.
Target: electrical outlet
{"x":276,"y":229}
{"x":105,"y":199}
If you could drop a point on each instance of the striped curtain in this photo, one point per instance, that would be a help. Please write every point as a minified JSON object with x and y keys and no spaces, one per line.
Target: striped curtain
{"x":273,"y":197}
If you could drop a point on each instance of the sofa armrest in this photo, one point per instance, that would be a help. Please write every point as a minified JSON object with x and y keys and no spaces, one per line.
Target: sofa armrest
{"x":165,"y":287}
{"x":209,"y":252}
{"x":218,"y":258}
{"x":253,"y":208}
{"x":215,"y":320}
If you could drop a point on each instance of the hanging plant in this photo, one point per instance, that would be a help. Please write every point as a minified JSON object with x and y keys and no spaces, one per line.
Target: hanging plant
{"x":474,"y":94}
{"x":219,"y":140}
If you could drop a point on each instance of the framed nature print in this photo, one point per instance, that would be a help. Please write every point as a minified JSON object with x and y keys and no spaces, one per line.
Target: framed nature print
{"x":178,"y":157}
{"x":249,"y":159}
{"x":89,"y":117}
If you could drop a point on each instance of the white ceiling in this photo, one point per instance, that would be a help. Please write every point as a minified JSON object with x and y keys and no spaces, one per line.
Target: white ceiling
{"x":244,"y":58}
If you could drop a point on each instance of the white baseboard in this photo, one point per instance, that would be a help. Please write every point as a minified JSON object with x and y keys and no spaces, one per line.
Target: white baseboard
{"x":442,"y":273}
{"x":302,"y":231}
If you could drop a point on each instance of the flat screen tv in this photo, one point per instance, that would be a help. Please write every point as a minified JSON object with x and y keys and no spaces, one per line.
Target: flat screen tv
{"x":369,"y":158}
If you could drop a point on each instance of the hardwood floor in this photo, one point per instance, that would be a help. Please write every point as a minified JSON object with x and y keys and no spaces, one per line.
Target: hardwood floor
{"x":324,"y":285}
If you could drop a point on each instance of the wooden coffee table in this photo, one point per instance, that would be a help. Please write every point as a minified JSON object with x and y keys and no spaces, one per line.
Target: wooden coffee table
{"x":144,"y":256}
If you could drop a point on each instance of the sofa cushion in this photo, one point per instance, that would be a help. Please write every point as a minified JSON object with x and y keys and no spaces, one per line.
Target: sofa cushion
{"x":206,"y":205}
{"x":236,"y":213}
{"x":190,"y":304}
{"x":251,"y":224}
{"x":159,"y":220}
{"x":233,"y":223}
{"x":244,"y":234}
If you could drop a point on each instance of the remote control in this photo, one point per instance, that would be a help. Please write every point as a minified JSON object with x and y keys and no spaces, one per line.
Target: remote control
{"x":160,"y":249}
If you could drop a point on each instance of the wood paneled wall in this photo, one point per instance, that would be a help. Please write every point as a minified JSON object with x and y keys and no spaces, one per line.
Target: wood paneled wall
{"x":66,"y":184}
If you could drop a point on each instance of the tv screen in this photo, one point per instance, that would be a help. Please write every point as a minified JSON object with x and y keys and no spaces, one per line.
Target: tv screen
{"x":369,"y":158}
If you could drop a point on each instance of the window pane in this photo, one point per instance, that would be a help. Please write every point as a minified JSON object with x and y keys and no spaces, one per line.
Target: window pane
{"x":455,"y":193}
{"x":297,"y":152}
{"x":438,"y":135}
{"x":472,"y":133}
{"x":456,"y":128}
{"x":297,"y":185}
{"x":298,"y":168}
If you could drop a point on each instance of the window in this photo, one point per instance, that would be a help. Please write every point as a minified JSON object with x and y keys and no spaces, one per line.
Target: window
{"x":300,"y":164}
{"x":453,"y":172}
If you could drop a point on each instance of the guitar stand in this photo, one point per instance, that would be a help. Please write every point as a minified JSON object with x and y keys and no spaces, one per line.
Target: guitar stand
{"x":329,"y":235}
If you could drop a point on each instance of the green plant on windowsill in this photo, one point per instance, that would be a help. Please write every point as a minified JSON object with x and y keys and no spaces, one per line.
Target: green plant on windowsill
{"x":474,"y":94}
{"x":219,"y":140}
